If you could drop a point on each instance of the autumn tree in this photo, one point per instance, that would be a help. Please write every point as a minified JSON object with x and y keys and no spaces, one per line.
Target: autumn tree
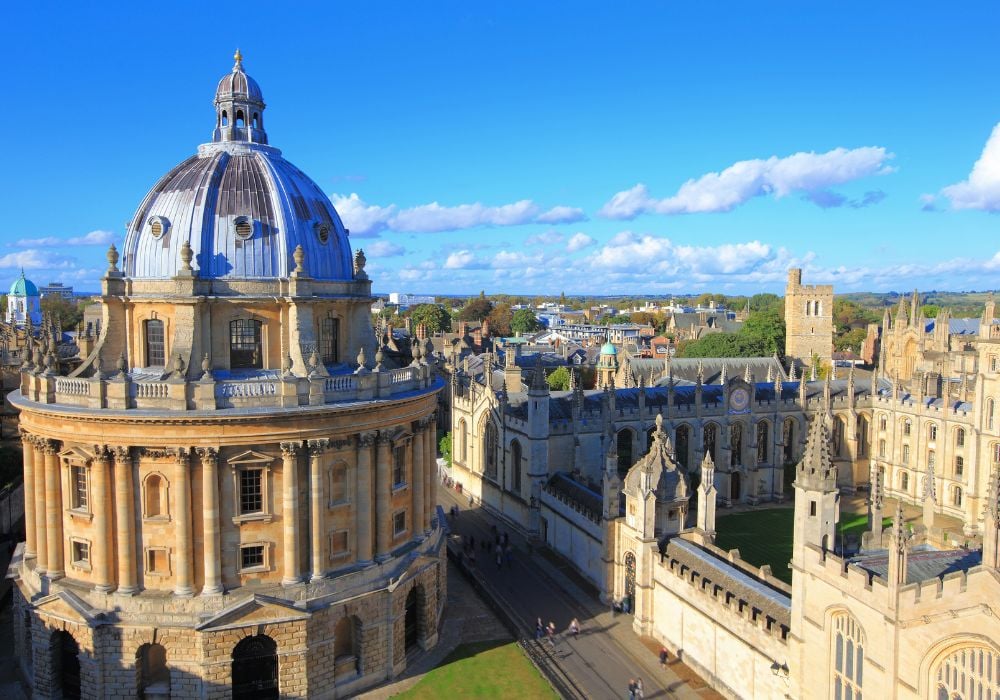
{"x":500,"y":318}
{"x":432,"y":316}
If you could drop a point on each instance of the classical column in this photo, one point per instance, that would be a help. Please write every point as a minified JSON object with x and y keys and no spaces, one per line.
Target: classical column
{"x":417,"y":457}
{"x":383,"y":489}
{"x":124,"y":514}
{"x":430,"y":471}
{"x":292,"y":572}
{"x":103,"y":541}
{"x":317,"y":507}
{"x":210,"y":520}
{"x":38,"y":494}
{"x":363,"y":497}
{"x":29,"y":495}
{"x":182,"y":526}
{"x":53,"y":511}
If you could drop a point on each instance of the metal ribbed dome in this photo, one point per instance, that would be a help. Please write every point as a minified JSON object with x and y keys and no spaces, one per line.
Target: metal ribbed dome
{"x":238,"y":84}
{"x":240,"y":205}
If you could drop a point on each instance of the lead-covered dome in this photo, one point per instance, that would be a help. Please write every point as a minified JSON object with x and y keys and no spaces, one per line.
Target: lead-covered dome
{"x":240,"y":205}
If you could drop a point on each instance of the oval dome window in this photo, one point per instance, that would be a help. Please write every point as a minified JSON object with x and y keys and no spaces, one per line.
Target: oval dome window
{"x":244,"y":227}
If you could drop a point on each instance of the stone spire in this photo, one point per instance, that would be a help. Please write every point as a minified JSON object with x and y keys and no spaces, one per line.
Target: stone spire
{"x":722,"y":374}
{"x":875,"y":515}
{"x":701,"y":372}
{"x":538,"y":383}
{"x":898,"y":554}
{"x":748,"y":375}
{"x":914,"y":308}
{"x":930,"y":497}
{"x":791,"y":373}
{"x":706,"y":497}
{"x":816,"y":470}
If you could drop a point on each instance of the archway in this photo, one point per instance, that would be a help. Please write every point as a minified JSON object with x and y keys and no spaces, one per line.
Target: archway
{"x":255,"y":669}
{"x":65,"y":656}
{"x":412,"y":619}
{"x":346,"y":646}
{"x":152,"y":674}
{"x":629,"y":581}
{"x":734,"y":486}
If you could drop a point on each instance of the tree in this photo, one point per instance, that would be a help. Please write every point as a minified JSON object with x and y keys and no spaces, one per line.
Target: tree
{"x":524,"y":321}
{"x":476,"y":309}
{"x":712,"y":345}
{"x":68,"y":313}
{"x":500,"y":319}
{"x":444,"y":446}
{"x":432,"y":316}
{"x":928,"y":310}
{"x":559,"y":379}
{"x":764,"y":332}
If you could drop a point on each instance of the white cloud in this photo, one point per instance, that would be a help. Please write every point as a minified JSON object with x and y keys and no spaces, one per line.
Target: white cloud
{"x":545,"y":238}
{"x":92,"y":238}
{"x":385,"y":249}
{"x":746,"y":179}
{"x":579,"y":241}
{"x":516,"y":259}
{"x":561,"y":215}
{"x":459,"y":260}
{"x":628,"y":251}
{"x":366,"y":220}
{"x":982,"y":188}
{"x":33,"y":259}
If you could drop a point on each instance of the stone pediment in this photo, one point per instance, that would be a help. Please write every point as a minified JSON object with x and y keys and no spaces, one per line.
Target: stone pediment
{"x":250,"y":457}
{"x":68,"y":606}
{"x":255,"y":610}
{"x":76,"y":454}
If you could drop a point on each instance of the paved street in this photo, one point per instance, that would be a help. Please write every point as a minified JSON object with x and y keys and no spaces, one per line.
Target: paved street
{"x":606,"y":654}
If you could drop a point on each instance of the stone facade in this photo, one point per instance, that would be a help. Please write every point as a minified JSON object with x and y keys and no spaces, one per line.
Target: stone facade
{"x":808,"y":321}
{"x":218,"y":502}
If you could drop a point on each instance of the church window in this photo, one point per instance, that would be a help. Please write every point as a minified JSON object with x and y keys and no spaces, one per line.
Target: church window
{"x":708,"y":441}
{"x":956,"y":496}
{"x":969,"y":673}
{"x":490,"y":450}
{"x":906,"y":454}
{"x":881,"y":449}
{"x":736,"y":444}
{"x":244,"y":344}
{"x":399,"y":466}
{"x":932,"y":432}
{"x":904,"y":481}
{"x":329,"y":335}
{"x":682,"y":442}
{"x":78,"y":478}
{"x":252,"y":557}
{"x":788,"y":438}
{"x":515,"y":465}
{"x":907,"y":426}
{"x":463,"y":441}
{"x":838,"y":437}
{"x":251,"y":483}
{"x":881,"y":423}
{"x":959,"y":465}
{"x":762,"y":439}
{"x":848,"y":658}
{"x":155,"y":351}
{"x":960,"y":438}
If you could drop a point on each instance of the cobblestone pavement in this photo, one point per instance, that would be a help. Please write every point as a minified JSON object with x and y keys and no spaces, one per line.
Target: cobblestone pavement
{"x":597,"y":663}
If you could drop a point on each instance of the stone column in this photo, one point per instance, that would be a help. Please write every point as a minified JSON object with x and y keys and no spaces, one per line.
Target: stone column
{"x":103,"y":540}
{"x":124,"y":514}
{"x":417,"y":457}
{"x":363,"y":497}
{"x":38,"y":495}
{"x":182,"y":527}
{"x":210,"y":520}
{"x":29,"y":495}
{"x":430,"y":471}
{"x":53,"y":511}
{"x":383,"y":489}
{"x":317,"y":507}
{"x":291,"y":573}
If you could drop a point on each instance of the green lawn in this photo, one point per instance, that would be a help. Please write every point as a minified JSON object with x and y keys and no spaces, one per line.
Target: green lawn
{"x":482,"y":670}
{"x":765,"y":536}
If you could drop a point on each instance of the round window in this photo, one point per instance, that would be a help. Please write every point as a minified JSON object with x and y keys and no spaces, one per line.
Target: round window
{"x":244,"y":227}
{"x":322,"y":232}
{"x":157,"y":226}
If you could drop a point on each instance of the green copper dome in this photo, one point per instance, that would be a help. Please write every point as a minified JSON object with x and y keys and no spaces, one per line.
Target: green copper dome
{"x":609,"y":349}
{"x":23,"y":287}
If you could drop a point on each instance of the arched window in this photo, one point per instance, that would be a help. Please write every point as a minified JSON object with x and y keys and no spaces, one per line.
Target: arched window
{"x":956,"y":496}
{"x":808,"y":308}
{"x":907,"y":426}
{"x":709,"y":439}
{"x":959,"y":465}
{"x":490,"y":450}
{"x":515,"y":466}
{"x":762,"y":440}
{"x":932,"y":432}
{"x":463,"y":441}
{"x":329,"y":336}
{"x":970,"y":673}
{"x":989,"y":413}
{"x":882,"y":423}
{"x":240,"y":119}
{"x":904,"y":481}
{"x":225,"y":118}
{"x":255,"y":120}
{"x":682,"y":444}
{"x":848,"y":660}
{"x":960,"y":438}
{"x":624,"y":445}
{"x":736,"y":444}
{"x":155,"y":497}
{"x":255,"y":669}
{"x":788,"y":438}
{"x":244,"y":344}
{"x":64,"y":659}
{"x":152,"y":674}
{"x":155,"y":355}
{"x":347,"y":646}
{"x":862,"y":435}
{"x":839,"y":429}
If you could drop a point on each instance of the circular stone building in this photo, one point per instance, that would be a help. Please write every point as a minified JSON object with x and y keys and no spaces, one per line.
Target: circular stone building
{"x":226,"y":499}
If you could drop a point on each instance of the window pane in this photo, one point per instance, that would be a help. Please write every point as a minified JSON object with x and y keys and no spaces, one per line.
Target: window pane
{"x":79,"y":487}
{"x":154,"y":344}
{"x":328,"y":340}
{"x":251,"y":491}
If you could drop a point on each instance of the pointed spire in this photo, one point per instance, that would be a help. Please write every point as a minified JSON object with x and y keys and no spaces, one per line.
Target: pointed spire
{"x":791,"y":373}
{"x":701,"y":372}
{"x":770,"y":373}
{"x":538,"y":382}
{"x":812,"y":372}
{"x":722,"y":374}
{"x":914,"y":307}
{"x":747,"y":375}
{"x":816,"y":470}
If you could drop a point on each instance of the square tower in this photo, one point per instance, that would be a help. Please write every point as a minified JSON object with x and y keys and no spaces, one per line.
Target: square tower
{"x":808,"y":320}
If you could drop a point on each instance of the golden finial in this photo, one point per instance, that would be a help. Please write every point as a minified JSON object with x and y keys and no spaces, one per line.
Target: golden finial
{"x":238,"y":57}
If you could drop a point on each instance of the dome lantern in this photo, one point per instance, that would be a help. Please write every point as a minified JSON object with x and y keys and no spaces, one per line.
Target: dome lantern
{"x":239,"y":107}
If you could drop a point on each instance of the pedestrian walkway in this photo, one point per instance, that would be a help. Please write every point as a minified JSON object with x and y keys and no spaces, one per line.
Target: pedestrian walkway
{"x":600,"y":660}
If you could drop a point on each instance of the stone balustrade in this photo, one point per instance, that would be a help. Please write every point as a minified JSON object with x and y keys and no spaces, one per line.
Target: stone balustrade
{"x":139,"y":391}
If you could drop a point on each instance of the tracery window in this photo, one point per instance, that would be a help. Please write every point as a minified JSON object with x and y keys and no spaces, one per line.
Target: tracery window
{"x":708,"y":440}
{"x":970,"y":673}
{"x":848,"y":658}
{"x":960,"y":438}
{"x":762,"y":438}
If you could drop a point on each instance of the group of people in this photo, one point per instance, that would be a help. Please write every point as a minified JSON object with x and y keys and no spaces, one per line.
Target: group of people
{"x":548,"y":632}
{"x":499,"y":546}
{"x":635,"y":691}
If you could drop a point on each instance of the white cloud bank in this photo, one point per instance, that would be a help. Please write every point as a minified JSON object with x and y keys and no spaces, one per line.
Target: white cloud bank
{"x":746,"y":179}
{"x":981,"y":190}
{"x":368,"y":220}
{"x":92,"y":238}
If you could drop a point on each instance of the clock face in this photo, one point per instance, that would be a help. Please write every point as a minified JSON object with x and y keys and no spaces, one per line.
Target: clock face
{"x":739,"y":399}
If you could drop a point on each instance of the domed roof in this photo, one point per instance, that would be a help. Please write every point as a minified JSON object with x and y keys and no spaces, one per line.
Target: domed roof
{"x":241,"y":207}
{"x":238,"y":84}
{"x":23,"y":287}
{"x":609,"y":349}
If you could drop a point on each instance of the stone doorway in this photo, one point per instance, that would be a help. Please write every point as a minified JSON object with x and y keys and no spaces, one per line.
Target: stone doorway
{"x":65,"y":655}
{"x":411,"y":623}
{"x":734,"y":487}
{"x":255,"y":669}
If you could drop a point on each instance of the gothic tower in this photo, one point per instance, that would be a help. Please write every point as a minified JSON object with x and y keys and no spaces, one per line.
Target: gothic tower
{"x":808,"y":321}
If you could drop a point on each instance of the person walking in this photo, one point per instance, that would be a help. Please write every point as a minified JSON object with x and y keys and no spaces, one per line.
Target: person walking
{"x":639,"y":692}
{"x":663,"y":657}
{"x":631,"y":689}
{"x":574,"y":627}
{"x":539,"y":629}
{"x":551,"y":631}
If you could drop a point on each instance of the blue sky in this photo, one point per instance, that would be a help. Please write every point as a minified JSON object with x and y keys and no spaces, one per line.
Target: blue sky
{"x":649,"y":148}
